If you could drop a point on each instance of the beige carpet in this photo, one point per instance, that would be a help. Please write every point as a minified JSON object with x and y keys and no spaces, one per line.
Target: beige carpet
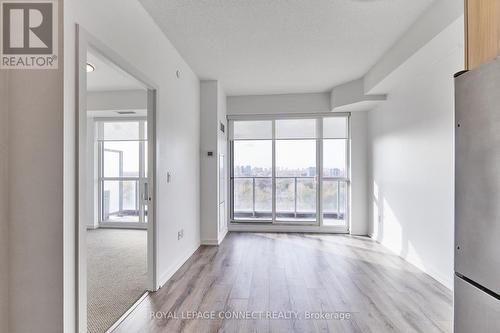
{"x":116,"y":274}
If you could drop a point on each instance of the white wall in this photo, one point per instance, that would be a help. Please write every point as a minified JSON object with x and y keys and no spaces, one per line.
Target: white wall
{"x":316,"y":103}
{"x":208,"y":110}
{"x":282,"y":103}
{"x":431,"y":23}
{"x":359,"y":172}
{"x":412,"y":163}
{"x":222,"y":177}
{"x":4,"y":183}
{"x":31,"y":198}
{"x":117,"y":100}
{"x":125,"y":27}
{"x":213,"y":112}
{"x":35,"y":194}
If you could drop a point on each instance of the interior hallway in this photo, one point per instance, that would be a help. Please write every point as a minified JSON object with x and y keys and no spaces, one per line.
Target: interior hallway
{"x":297,"y":272}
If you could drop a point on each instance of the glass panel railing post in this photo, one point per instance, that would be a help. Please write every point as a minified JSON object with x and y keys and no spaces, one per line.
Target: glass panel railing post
{"x":338,"y":200}
{"x":295,"y":197}
{"x":253,"y":195}
{"x":137,"y":200}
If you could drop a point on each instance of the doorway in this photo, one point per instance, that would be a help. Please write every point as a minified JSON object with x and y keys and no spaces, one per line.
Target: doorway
{"x":122,"y":149}
{"x":116,"y":244}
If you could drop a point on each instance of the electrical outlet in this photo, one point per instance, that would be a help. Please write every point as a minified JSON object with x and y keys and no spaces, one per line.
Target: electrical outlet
{"x":180,"y":234}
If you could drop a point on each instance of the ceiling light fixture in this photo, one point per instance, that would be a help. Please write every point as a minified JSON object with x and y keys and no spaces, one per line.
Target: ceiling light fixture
{"x":90,"y":67}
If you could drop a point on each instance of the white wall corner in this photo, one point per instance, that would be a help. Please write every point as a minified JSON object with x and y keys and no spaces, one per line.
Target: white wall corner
{"x":279,"y":104}
{"x":223,"y":173}
{"x":359,"y":171}
{"x":213,"y":162}
{"x":351,"y":96}
{"x":433,"y":21}
{"x":222,"y":235}
{"x":208,"y":146}
{"x":215,"y":242}
{"x":421,"y":110}
{"x":368,"y":92}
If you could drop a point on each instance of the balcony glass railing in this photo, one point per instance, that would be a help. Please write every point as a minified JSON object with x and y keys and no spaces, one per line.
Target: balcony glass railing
{"x":334,"y":201}
{"x":253,"y":198}
{"x":296,"y":199}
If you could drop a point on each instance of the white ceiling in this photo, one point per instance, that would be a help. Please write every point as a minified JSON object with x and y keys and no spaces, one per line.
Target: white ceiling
{"x":283,"y":46}
{"x":108,"y":77}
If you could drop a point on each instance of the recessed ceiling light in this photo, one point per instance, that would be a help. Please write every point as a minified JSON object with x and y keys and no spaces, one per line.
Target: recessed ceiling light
{"x":90,"y":67}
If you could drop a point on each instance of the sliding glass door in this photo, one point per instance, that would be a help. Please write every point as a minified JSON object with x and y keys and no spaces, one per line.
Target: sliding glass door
{"x":252,"y":171}
{"x":335,"y":172}
{"x":122,"y":164}
{"x":296,"y":176}
{"x":290,"y":171}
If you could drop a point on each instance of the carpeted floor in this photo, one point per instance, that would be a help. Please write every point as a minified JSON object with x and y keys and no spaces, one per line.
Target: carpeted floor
{"x":116,"y":274}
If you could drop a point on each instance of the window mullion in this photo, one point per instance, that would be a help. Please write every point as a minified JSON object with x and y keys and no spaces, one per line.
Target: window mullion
{"x":319,"y":170}
{"x":100,"y":177}
{"x":273,"y":168}
{"x":142,"y":174}
{"x":347,"y":203}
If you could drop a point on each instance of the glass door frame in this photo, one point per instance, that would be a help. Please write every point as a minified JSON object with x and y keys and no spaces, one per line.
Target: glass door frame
{"x":141,"y":180}
{"x":319,"y":169}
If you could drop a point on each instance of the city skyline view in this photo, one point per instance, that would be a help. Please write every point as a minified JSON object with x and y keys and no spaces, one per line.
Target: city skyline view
{"x":249,"y":171}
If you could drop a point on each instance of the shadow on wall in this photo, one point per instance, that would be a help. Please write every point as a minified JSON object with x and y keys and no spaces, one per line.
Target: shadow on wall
{"x":388,"y":229}
{"x":411,"y":171}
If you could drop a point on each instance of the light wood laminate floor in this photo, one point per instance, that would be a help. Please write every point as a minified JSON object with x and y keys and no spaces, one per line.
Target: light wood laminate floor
{"x":262,"y":275}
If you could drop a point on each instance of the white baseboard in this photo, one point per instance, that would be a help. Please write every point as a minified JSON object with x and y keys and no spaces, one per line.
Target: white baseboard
{"x":215,"y":242}
{"x":223,"y":235}
{"x":209,"y":242}
{"x":175,"y":267}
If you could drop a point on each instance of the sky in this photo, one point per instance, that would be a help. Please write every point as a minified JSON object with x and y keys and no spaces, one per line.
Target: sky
{"x":290,"y":154}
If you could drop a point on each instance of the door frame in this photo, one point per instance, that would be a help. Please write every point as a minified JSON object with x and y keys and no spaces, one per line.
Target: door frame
{"x":84,"y":42}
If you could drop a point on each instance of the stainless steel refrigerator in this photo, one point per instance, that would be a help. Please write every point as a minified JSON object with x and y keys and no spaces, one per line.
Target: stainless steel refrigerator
{"x":477,"y":200}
